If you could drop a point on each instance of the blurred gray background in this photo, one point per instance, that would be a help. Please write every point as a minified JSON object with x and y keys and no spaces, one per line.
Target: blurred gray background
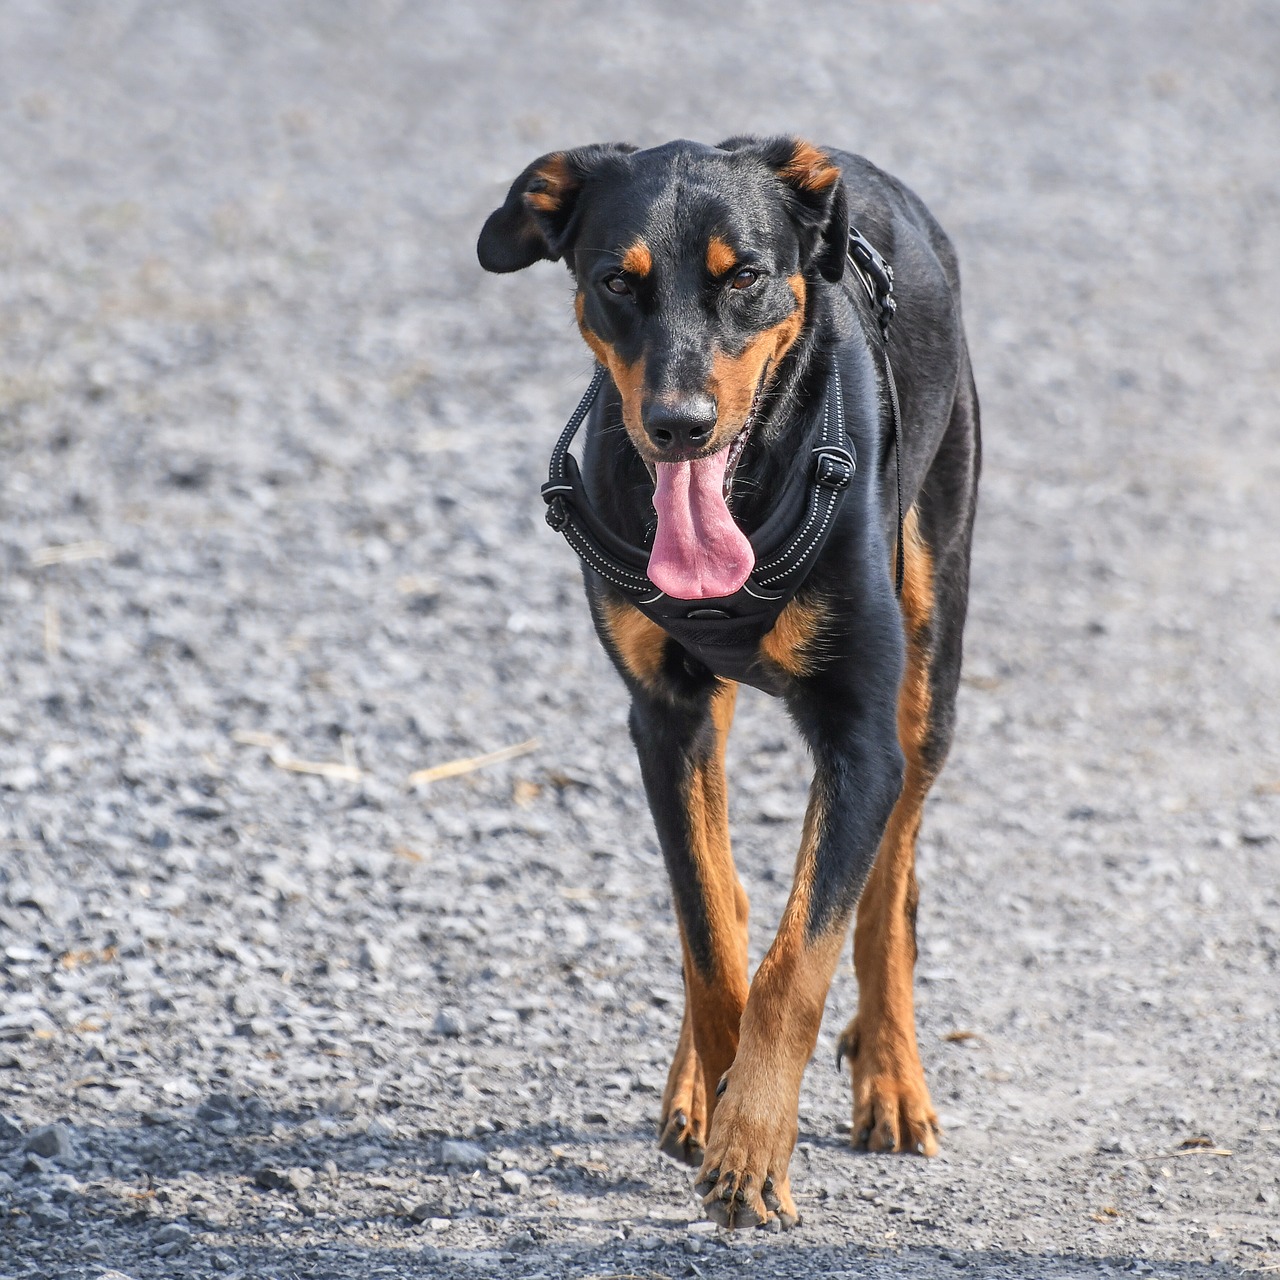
{"x":271,"y":541}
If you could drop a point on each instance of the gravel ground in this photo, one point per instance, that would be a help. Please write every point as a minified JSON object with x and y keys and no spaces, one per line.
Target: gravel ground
{"x":271,"y":445}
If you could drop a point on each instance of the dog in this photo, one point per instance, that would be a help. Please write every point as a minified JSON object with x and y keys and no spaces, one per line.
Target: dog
{"x":783,"y":382}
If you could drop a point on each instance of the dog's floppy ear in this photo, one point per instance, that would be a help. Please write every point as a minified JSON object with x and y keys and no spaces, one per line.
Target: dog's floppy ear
{"x":538,"y":217}
{"x":815,"y":197}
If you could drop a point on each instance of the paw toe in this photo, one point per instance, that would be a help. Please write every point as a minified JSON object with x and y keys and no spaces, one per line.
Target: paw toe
{"x":680,"y":1141}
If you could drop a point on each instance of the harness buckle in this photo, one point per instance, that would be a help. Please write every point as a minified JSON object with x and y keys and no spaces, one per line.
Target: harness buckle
{"x":836,"y":467}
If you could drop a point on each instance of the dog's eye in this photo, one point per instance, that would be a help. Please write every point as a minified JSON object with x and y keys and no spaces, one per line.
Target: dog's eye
{"x":744,"y":279}
{"x":616,"y":284}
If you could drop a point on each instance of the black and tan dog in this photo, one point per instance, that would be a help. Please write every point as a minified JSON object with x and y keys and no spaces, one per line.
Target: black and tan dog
{"x":746,"y":400}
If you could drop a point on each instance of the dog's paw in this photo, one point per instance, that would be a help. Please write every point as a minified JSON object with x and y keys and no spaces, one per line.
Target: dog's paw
{"x":891,"y":1107}
{"x":682,"y":1131}
{"x":743,"y":1180}
{"x":733,"y":1199}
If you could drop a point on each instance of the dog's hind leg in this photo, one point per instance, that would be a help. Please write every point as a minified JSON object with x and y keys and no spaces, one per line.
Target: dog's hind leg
{"x":681,"y":745}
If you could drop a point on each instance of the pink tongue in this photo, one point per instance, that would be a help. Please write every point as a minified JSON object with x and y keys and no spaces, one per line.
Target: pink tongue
{"x":699,"y":552}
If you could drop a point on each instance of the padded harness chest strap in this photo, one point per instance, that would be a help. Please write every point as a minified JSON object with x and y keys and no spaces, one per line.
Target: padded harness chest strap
{"x":725,"y":632}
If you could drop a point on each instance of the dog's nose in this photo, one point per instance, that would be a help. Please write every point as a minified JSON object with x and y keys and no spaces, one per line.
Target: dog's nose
{"x":686,"y":423}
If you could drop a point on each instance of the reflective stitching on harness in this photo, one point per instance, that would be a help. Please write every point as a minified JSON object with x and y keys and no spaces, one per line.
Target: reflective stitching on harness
{"x":826,"y":519}
{"x":574,"y":536}
{"x":777,"y":566}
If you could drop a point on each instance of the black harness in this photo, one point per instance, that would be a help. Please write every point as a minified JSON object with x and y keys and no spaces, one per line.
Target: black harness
{"x":725,"y":633}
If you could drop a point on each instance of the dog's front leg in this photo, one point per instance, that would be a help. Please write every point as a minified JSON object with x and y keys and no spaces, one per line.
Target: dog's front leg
{"x":680,"y":740}
{"x":858,"y":775}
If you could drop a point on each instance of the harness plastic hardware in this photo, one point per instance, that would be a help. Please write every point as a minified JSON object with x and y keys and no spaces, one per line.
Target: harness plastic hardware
{"x":835,"y":468}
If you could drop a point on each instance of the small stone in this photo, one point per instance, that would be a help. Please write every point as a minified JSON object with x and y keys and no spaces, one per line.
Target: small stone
{"x":52,"y":1141}
{"x":217,"y":1104}
{"x":113,"y":1275}
{"x":296,"y":1179}
{"x":10,"y":1131}
{"x":37,"y":1164}
{"x":48,"y":1215}
{"x":515,"y":1181}
{"x":375,"y":956}
{"x":1121,"y":1145}
{"x":521,"y":1240}
{"x":173,"y":1233}
{"x":421,"y":1212}
{"x":449,"y":1023}
{"x":465,"y":1155}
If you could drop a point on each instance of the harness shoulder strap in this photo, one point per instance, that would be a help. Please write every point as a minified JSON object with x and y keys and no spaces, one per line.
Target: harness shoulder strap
{"x":877,"y":279}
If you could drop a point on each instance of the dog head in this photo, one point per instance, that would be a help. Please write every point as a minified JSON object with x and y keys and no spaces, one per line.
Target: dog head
{"x":693,"y":266}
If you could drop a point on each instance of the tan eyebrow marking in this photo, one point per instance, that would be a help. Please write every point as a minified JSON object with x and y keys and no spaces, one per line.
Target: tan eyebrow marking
{"x":720,"y":257}
{"x":637,"y":260}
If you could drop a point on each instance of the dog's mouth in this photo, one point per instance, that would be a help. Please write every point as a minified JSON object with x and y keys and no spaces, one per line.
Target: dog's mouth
{"x":699,"y":553}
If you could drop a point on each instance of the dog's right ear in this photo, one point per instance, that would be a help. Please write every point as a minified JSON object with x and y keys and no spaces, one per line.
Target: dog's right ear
{"x":539,"y":216}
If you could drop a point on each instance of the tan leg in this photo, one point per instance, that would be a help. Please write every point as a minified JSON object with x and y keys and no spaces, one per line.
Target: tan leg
{"x":891,"y":1107}
{"x":744,"y":1180}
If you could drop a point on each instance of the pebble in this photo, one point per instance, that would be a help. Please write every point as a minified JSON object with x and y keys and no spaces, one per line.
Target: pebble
{"x":173,"y":1233}
{"x":515,"y":1181}
{"x":217,"y":1106}
{"x":465,"y":1155}
{"x":294,"y":1179}
{"x":380,"y":1130}
{"x":376,"y":956}
{"x":10,"y":1131}
{"x":449,"y":1022}
{"x":48,"y":1215}
{"x":52,"y":1141}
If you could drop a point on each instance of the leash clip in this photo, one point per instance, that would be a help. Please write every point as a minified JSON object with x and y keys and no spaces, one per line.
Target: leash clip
{"x":836,"y":467}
